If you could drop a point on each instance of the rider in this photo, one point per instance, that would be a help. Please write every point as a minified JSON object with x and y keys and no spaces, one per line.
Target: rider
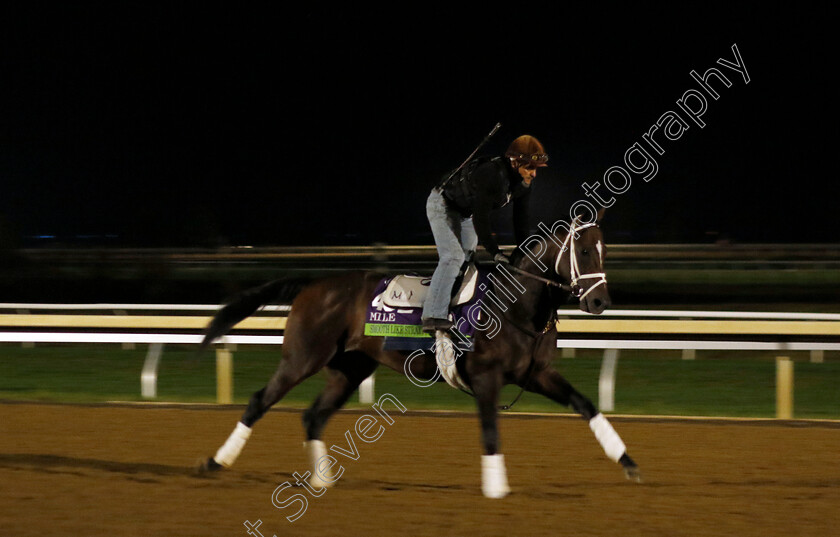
{"x":459,"y":214}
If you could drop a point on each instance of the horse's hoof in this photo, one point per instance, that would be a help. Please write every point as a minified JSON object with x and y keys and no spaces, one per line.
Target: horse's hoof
{"x":207,"y":466}
{"x":496,"y":494}
{"x":633,"y":473}
{"x":631,"y":469}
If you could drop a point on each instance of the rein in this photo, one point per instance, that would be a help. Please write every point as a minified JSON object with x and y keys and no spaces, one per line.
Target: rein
{"x":563,"y":286}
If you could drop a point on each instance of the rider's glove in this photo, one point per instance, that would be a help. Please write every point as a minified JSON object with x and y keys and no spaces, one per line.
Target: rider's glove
{"x":501,"y":258}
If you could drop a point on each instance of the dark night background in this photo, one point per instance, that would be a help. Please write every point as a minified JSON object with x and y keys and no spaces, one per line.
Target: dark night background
{"x":204,"y":124}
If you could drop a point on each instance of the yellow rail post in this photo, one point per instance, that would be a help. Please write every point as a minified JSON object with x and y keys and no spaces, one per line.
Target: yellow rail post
{"x":224,"y":376}
{"x":784,"y":388}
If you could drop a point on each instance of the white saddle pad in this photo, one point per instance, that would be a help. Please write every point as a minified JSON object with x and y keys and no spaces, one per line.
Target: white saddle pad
{"x":410,"y":291}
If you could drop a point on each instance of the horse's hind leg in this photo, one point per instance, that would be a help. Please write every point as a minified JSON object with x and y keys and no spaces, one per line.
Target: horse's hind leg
{"x":344,"y":374}
{"x":298,"y":364}
{"x":551,"y":384}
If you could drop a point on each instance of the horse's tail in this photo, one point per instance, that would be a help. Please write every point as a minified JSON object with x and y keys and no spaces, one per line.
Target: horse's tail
{"x":247,"y":302}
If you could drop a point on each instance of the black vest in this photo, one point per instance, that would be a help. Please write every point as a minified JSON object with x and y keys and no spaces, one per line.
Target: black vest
{"x":460,"y":191}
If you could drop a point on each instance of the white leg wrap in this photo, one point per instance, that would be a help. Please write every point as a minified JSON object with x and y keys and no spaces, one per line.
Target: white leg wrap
{"x":231,"y":449}
{"x":494,"y":483}
{"x":315,"y":449}
{"x":606,"y":435}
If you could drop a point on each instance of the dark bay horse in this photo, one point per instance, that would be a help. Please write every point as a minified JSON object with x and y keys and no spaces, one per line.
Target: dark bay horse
{"x":325,"y":328}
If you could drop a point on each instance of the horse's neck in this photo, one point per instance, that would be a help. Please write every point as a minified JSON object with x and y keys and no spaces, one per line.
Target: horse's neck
{"x":532,"y":305}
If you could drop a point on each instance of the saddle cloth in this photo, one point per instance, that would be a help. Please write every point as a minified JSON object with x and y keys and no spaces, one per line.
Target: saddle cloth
{"x":396,"y":309}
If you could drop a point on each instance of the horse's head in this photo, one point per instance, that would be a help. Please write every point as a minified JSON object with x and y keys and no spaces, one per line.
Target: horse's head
{"x":582,"y":263}
{"x":574,"y":263}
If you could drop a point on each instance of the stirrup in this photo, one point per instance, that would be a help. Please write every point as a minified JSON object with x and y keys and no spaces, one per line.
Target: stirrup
{"x":432,"y":324}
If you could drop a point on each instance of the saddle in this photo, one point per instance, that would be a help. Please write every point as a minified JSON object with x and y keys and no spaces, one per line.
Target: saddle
{"x":396,"y":308}
{"x":406,"y":291}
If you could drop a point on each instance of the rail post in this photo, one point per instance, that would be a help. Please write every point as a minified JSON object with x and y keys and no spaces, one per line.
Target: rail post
{"x":784,"y":388}
{"x":148,"y":376}
{"x":606,"y":381}
{"x":224,"y":376}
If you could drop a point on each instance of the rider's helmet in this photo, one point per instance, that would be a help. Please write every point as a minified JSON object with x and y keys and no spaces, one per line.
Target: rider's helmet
{"x":527,"y":151}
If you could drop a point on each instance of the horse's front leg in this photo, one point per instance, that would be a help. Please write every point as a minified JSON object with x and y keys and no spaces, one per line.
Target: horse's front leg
{"x":551,"y":384}
{"x":486,"y":386}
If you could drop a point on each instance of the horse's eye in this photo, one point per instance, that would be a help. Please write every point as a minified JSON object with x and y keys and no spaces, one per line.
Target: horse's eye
{"x":585,"y":251}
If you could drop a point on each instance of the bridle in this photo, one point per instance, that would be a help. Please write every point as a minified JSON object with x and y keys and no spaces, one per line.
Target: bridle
{"x":575,"y":275}
{"x":574,"y":270}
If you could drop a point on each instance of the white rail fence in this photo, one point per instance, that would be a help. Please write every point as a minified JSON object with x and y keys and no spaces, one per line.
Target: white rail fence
{"x":685,"y":330}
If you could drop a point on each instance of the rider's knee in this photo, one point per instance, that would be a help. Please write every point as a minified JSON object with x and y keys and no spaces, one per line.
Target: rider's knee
{"x":454,"y":259}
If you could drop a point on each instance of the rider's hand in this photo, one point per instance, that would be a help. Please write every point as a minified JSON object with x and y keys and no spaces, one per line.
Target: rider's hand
{"x":501,"y":258}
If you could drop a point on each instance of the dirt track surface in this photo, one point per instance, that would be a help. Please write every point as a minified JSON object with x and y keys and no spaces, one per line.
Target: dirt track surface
{"x":76,"y":470}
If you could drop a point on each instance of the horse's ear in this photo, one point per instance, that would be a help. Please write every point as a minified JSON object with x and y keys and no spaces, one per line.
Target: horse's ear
{"x":600,"y":214}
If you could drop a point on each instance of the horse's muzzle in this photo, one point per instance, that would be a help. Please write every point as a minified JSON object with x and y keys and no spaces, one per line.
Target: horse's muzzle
{"x":596,"y":302}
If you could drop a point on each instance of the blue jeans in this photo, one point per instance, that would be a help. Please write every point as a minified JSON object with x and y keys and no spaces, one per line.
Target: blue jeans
{"x":455,"y":239}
